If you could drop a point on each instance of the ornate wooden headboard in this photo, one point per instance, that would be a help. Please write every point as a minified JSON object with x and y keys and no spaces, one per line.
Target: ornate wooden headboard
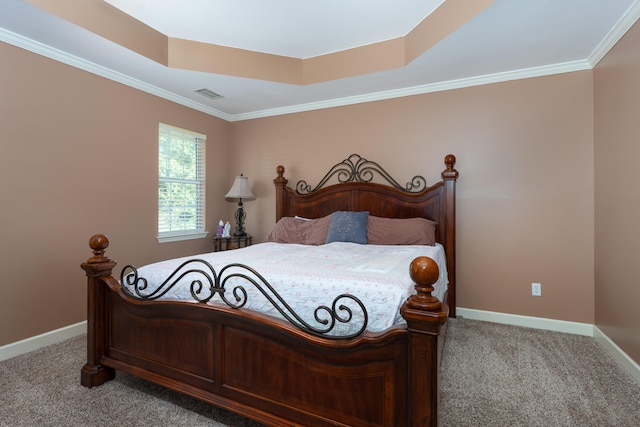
{"x":355,"y":191}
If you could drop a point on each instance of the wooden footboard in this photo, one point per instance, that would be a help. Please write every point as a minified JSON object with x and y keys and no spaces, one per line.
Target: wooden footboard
{"x":264,"y":368}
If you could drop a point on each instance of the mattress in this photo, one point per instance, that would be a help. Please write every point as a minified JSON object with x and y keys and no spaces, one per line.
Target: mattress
{"x":306,"y":277}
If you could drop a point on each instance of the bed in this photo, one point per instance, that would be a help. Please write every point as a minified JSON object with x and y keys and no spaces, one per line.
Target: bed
{"x":282,"y":369}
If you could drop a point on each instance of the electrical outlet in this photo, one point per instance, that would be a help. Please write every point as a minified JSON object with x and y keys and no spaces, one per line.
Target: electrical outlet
{"x":536,"y":289}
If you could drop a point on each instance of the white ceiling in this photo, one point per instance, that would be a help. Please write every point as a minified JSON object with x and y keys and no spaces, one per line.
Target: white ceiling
{"x":292,"y":28}
{"x":511,"y":39}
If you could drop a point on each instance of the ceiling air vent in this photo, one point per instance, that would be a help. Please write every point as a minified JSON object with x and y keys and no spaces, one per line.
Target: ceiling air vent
{"x":209,"y":93}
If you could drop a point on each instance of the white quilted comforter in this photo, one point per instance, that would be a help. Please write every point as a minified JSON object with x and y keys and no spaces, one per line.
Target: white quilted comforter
{"x":309,"y":276}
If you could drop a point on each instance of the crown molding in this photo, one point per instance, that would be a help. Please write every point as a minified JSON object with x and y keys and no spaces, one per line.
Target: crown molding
{"x":622,"y":26}
{"x":567,"y":67}
{"x":82,"y":64}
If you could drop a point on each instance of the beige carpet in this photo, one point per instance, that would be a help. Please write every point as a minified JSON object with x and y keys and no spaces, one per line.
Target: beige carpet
{"x":500,"y":375}
{"x":492,"y":375}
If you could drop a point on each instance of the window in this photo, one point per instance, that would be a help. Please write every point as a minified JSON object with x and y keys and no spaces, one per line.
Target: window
{"x":181,"y":184}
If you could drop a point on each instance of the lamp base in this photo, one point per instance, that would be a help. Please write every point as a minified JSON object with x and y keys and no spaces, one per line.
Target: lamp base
{"x":240,"y":216}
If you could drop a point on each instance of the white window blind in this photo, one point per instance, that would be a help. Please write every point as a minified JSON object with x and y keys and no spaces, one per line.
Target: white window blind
{"x":181,"y":184}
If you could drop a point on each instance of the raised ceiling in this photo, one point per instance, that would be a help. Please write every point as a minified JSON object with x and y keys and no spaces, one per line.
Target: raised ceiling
{"x":284,"y":56}
{"x":294,"y":28}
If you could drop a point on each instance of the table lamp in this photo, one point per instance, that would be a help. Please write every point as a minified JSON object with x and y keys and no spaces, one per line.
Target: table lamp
{"x":240,"y":191}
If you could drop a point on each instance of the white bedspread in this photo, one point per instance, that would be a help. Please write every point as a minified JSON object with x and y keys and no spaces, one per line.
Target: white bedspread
{"x":309,"y":276}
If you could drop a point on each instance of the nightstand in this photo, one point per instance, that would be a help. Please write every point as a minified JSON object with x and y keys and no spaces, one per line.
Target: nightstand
{"x":233,"y":242}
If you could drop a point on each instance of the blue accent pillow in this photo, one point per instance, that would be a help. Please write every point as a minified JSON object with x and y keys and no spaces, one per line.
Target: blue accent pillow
{"x":348,"y":227}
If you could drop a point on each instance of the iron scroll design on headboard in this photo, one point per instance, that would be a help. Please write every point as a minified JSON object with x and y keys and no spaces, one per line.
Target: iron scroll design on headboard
{"x":358,"y":169}
{"x":206,"y":283}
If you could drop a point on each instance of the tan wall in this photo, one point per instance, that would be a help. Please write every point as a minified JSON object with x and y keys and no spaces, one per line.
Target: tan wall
{"x":525,"y":193}
{"x":78,"y":156}
{"x":617,"y":193}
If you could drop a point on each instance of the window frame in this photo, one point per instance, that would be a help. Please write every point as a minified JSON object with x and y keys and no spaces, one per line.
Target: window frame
{"x":175,"y":234}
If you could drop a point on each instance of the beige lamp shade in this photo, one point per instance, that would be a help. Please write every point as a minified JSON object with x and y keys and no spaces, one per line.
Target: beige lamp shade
{"x":240,"y":190}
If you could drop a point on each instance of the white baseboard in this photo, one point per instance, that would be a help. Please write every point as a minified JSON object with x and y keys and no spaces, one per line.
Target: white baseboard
{"x":528,"y":321}
{"x":30,"y":344}
{"x":616,"y":352}
{"x":576,"y":328}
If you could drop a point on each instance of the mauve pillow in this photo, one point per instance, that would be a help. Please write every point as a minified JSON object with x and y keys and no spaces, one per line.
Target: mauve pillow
{"x":300,"y":231}
{"x":316,"y":230}
{"x":401,"y":231}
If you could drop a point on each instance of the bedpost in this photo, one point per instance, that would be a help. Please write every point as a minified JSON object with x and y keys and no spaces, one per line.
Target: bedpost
{"x":450,"y":175}
{"x":280,"y":181}
{"x":96,"y":267}
{"x":425,"y":316}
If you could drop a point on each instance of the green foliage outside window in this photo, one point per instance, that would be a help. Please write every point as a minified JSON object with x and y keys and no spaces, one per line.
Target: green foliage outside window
{"x":181,"y":181}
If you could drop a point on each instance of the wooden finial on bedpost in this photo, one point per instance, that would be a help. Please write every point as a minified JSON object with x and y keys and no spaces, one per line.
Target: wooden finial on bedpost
{"x":280,"y":181}
{"x":98,"y":265}
{"x":449,"y":172}
{"x":98,"y":242}
{"x":424,"y":272}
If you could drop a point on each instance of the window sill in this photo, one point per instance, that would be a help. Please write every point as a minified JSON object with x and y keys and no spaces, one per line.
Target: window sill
{"x":177,"y":237}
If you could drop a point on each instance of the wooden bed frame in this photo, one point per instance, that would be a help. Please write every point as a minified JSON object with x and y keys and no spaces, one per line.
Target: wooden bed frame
{"x":268,"y":369}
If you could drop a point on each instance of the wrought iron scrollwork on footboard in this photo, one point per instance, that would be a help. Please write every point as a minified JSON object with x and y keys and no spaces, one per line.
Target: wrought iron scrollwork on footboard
{"x":358,"y":169}
{"x":207,"y":283}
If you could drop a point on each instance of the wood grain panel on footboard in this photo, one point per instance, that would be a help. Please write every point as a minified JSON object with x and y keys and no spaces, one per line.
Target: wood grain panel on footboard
{"x":172,"y":339}
{"x":358,"y":385}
